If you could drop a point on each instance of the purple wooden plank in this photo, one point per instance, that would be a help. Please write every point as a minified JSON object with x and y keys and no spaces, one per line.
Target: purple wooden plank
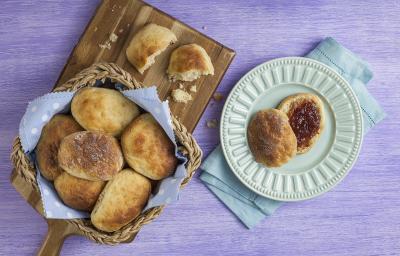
{"x":359,"y":217}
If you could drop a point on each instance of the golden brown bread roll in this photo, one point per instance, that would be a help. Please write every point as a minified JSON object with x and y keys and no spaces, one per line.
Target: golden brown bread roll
{"x":47,"y":148}
{"x":103,"y":110}
{"x":147,"y":44}
{"x":271,"y":138}
{"x":121,"y":201}
{"x":189,"y":62}
{"x":306,"y":117}
{"x":78,"y":193}
{"x":147,"y":148}
{"x":90,"y":155}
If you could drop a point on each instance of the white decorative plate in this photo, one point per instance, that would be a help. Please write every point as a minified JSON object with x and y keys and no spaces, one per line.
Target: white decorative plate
{"x":331,"y":158}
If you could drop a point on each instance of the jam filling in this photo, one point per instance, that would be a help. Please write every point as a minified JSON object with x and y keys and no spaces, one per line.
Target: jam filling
{"x":305,"y":122}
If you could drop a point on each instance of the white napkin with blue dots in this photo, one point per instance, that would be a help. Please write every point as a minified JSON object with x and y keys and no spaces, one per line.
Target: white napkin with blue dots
{"x":43,"y":108}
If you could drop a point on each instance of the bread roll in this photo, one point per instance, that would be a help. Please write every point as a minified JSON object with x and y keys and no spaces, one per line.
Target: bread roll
{"x":47,"y":148}
{"x":147,"y":148}
{"x":121,"y":201}
{"x":103,"y":110}
{"x":78,"y":193}
{"x":270,"y":137}
{"x":90,"y":155}
{"x":147,"y":44}
{"x":306,"y":117}
{"x":189,"y":62}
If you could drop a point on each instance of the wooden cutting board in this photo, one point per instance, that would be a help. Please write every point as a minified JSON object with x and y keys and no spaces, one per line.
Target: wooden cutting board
{"x":124,"y":18}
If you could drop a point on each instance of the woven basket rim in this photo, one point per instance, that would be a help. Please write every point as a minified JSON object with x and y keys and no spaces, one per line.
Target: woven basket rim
{"x":88,"y":77}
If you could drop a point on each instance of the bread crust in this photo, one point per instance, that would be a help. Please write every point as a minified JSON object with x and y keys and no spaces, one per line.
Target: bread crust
{"x":121,"y":201}
{"x":270,"y":138}
{"x":103,"y":110}
{"x":189,"y":62}
{"x":78,"y":193}
{"x":148,"y":149}
{"x":289,"y":105}
{"x":47,"y":148}
{"x":90,"y":155}
{"x":148,"y":43}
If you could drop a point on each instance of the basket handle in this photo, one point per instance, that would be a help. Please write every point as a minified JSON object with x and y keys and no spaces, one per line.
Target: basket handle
{"x":57,"y":231}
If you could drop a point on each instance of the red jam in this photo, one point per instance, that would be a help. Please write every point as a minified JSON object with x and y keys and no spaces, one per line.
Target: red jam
{"x":305,"y":122}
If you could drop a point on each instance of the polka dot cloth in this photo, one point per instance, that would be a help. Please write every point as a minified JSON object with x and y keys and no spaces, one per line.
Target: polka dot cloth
{"x":42,"y":109}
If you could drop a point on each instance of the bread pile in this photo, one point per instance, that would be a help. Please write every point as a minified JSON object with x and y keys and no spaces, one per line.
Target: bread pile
{"x":277,"y":135}
{"x":102,"y":158}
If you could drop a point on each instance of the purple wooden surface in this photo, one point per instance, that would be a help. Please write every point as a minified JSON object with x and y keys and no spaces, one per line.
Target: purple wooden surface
{"x":361,"y":216}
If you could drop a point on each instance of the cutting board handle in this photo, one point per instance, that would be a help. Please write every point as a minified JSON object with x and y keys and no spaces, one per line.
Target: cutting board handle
{"x":57,"y":231}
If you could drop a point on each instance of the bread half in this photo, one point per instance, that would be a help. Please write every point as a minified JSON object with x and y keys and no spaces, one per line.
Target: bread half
{"x":147,"y":44}
{"x":306,"y":117}
{"x":189,"y":62}
{"x":270,"y":138}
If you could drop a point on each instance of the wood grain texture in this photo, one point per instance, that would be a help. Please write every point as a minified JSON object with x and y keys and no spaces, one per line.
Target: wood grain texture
{"x":124,"y":19}
{"x":359,"y":217}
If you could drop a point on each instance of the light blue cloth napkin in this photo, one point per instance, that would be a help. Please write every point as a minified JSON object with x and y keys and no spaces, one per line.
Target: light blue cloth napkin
{"x":251,"y":208}
{"x":43,"y":108}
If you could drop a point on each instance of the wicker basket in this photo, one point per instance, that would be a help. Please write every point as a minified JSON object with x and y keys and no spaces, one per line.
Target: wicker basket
{"x":190,"y":148}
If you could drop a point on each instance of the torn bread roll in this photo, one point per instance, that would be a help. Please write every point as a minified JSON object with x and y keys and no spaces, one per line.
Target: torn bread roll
{"x":306,"y":117}
{"x":189,"y":62}
{"x":147,"y":44}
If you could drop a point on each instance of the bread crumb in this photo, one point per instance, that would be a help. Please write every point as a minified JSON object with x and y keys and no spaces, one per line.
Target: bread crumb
{"x":121,"y":30}
{"x":180,"y":86}
{"x":113,"y":37}
{"x":106,"y":45}
{"x":180,"y":96}
{"x":218,"y":96}
{"x":128,"y":25}
{"x":212,"y":123}
{"x":193,"y":88}
{"x":95,"y":29}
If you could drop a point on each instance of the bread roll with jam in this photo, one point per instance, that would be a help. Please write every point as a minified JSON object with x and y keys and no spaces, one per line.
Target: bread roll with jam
{"x":78,"y":193}
{"x":103,"y":110}
{"x":47,"y":148}
{"x":271,"y":139}
{"x":121,"y":201}
{"x":147,"y":44}
{"x":148,"y":149}
{"x":189,"y":62}
{"x":90,"y":155}
{"x":306,"y":117}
